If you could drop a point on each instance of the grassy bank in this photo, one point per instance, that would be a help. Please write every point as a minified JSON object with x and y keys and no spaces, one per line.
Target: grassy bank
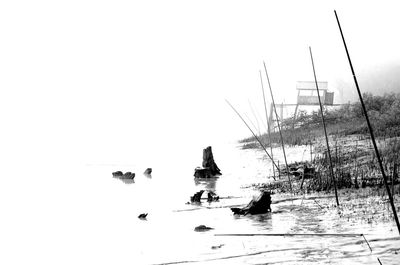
{"x":384,"y":113}
{"x":352,"y":155}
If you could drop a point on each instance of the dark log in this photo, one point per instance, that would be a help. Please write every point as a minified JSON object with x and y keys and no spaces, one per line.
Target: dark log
{"x":196,"y":197}
{"x":142,"y":216}
{"x":128,"y":175}
{"x":202,"y":228}
{"x":117,"y":174}
{"x":257,"y":206}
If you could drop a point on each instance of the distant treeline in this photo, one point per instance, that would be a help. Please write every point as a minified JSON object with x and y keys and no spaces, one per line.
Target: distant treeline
{"x":383,"y":111}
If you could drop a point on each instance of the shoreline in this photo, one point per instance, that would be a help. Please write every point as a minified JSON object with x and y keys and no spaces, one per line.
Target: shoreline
{"x":353,"y":163}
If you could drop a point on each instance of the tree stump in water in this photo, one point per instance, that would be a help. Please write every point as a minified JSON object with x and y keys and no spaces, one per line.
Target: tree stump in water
{"x":210,"y":168}
{"x":258,"y":206}
{"x":148,"y":171}
{"x":197,"y":196}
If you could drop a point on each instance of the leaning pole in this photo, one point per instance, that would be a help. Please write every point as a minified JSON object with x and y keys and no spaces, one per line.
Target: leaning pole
{"x":371,"y":132}
{"x":279,"y":128}
{"x":326,"y":135}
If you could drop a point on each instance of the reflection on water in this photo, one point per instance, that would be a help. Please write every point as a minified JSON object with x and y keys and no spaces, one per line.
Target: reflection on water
{"x":128,"y":181}
{"x":206,"y":184}
{"x":167,"y":235}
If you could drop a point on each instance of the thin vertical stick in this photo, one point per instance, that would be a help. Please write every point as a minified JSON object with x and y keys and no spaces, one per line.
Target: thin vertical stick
{"x":255,"y":136}
{"x":370,"y":130}
{"x":279,"y":170}
{"x":355,"y":158}
{"x":394,"y":175}
{"x":255,"y":117}
{"x":252,"y":123}
{"x":266,"y":116}
{"x":326,"y":135}
{"x":279,"y":128}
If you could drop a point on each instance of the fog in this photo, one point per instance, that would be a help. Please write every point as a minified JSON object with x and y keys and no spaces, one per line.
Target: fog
{"x":120,"y":82}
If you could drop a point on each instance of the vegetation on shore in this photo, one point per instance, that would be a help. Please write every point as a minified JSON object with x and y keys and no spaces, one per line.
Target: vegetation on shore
{"x":353,"y":159}
{"x":384,"y":113}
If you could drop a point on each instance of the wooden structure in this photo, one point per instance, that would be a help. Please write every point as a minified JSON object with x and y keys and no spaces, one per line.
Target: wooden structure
{"x":306,"y":96}
{"x":307,"y":93}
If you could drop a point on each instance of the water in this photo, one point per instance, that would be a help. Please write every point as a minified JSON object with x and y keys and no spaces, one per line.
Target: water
{"x":81,"y":215}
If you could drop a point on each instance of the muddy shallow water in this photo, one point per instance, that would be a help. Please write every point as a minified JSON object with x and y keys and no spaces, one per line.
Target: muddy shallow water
{"x":168,"y":236}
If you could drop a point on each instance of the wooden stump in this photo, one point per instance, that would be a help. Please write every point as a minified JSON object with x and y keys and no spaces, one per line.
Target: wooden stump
{"x":258,"y":206}
{"x":148,"y":171}
{"x":197,"y":196}
{"x":202,"y":173}
{"x":209,"y":167}
{"x":208,"y":161}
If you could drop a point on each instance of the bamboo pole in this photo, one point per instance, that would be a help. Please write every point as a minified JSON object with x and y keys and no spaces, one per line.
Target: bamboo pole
{"x":394,"y":174}
{"x":266,"y":116}
{"x":255,"y":136}
{"x":279,"y":128}
{"x":292,"y":234}
{"x":255,"y":117}
{"x":251,"y":122}
{"x":370,"y":129}
{"x":326,"y":135}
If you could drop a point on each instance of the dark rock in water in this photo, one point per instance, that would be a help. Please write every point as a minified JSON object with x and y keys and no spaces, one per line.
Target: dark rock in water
{"x":202,"y":228}
{"x":257,"y":206}
{"x":148,"y":171}
{"x":142,"y":216}
{"x":212,"y":197}
{"x":197,"y":196}
{"x":128,"y":175}
{"x":218,"y":246}
{"x":117,"y":174}
{"x":209,"y":167}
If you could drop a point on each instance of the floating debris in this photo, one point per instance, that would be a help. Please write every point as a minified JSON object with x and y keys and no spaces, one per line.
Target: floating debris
{"x":148,"y":171}
{"x":197,"y":196}
{"x":257,"y":206}
{"x":117,"y":174}
{"x":202,"y":228}
{"x":217,"y":247}
{"x":120,"y":175}
{"x":143,"y":216}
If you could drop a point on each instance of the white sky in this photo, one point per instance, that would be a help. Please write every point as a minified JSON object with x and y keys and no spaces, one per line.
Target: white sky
{"x":91,"y":77}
